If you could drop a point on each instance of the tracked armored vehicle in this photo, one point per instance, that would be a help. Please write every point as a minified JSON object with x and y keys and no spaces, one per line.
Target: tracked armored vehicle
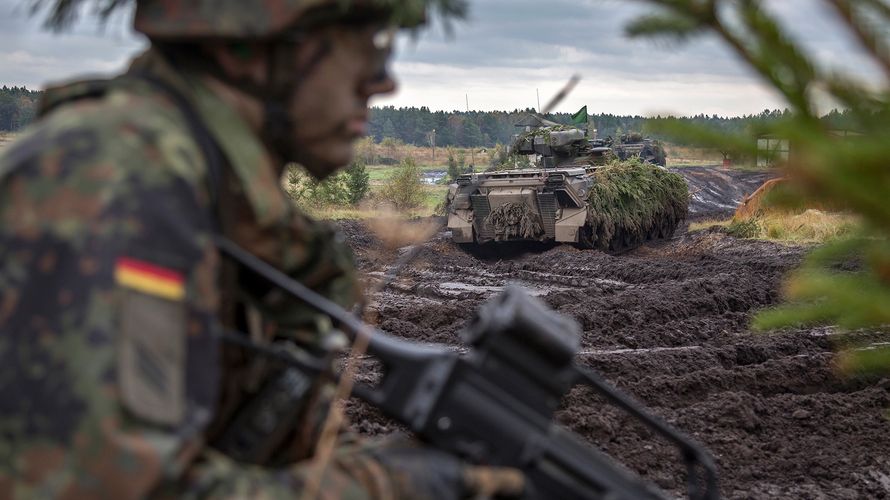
{"x":635,"y":145}
{"x":571,"y":196}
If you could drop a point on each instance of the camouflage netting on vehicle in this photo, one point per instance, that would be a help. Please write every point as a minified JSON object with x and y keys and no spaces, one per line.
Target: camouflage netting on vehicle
{"x":514,"y":220}
{"x":543,"y":132}
{"x":632,"y":202}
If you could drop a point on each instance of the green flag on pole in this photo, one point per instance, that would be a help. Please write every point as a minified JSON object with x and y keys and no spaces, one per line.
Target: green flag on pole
{"x":580,"y":118}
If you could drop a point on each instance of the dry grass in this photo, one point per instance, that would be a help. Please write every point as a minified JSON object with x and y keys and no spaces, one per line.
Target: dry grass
{"x":378,"y":174}
{"x":811,"y":226}
{"x":434,"y":198}
{"x":424,"y":156}
{"x":709,"y":223}
{"x":6,"y":138}
{"x":758,"y":218}
{"x":685,"y":156}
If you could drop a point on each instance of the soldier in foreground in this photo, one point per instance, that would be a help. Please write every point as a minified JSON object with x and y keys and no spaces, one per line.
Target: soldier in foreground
{"x":113,"y":380}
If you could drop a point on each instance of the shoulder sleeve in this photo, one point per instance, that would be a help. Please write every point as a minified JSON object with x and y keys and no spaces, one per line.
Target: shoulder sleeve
{"x":108,"y":368}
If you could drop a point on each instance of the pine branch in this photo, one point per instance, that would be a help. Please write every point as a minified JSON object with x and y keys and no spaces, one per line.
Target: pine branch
{"x":675,"y":27}
{"x":778,"y":58}
{"x":879,"y":7}
{"x":867,"y":38}
{"x":63,"y":13}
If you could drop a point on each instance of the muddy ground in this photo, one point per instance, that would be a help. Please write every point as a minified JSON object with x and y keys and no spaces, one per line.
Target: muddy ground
{"x":668,"y":323}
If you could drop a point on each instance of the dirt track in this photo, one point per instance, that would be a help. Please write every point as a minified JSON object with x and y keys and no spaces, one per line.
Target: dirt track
{"x":668,"y":323}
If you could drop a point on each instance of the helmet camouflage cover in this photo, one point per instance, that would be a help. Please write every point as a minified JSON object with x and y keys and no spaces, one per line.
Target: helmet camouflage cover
{"x":255,"y":18}
{"x":245,"y":19}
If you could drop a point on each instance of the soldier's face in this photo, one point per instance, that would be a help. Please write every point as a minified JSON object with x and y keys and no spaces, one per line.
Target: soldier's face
{"x":330,"y":106}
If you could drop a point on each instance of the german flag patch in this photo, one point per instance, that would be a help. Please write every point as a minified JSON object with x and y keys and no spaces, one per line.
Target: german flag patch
{"x":149,"y":278}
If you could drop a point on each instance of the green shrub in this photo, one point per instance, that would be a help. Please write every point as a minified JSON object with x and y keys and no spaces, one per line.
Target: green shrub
{"x":308,"y":192}
{"x":404,"y":189}
{"x":358,"y":181}
{"x":749,"y":228}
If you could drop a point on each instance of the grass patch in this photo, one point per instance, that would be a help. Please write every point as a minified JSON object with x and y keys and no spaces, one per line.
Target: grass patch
{"x":810,"y":226}
{"x":432,"y":201}
{"x":749,"y":228}
{"x":372,"y":152}
{"x":6,"y":138}
{"x":380,"y":173}
{"x":708,"y":224}
{"x":685,"y":156}
{"x":432,"y":198}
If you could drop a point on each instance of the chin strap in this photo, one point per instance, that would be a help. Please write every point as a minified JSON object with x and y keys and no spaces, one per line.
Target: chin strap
{"x":283,"y":80}
{"x":284,"y":77}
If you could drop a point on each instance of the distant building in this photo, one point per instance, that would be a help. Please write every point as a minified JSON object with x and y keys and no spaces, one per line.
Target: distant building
{"x":773,"y":150}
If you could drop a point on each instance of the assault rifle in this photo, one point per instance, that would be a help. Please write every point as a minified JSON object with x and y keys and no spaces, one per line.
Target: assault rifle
{"x":495,"y":404}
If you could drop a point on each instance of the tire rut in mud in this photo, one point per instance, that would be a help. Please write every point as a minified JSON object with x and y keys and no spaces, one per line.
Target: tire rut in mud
{"x":669,"y":323}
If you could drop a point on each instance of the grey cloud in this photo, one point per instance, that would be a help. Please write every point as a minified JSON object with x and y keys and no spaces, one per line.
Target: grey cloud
{"x":33,"y":57}
{"x":522,"y":37}
{"x":528,"y":34}
{"x":531,"y":43}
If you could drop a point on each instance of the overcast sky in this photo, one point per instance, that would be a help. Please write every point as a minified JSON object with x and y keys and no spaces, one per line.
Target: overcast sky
{"x":507,"y":52}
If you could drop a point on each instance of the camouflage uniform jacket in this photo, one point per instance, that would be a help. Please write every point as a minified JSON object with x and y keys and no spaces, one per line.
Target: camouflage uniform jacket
{"x":110,"y":378}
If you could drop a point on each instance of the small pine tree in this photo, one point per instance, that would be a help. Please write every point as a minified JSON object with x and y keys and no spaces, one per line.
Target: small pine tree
{"x":849,"y":172}
{"x":358,"y":181}
{"x":309,"y":193}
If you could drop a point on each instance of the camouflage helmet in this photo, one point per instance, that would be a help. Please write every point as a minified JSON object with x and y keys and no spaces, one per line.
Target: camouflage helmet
{"x":244,"y":19}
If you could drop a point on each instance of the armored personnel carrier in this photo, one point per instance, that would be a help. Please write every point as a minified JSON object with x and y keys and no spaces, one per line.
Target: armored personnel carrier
{"x":635,"y":145}
{"x":573,"y":195}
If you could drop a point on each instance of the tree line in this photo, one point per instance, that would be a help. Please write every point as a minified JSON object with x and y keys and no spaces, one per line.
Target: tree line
{"x":488,"y":128}
{"x":18,"y":106}
{"x":423,"y":127}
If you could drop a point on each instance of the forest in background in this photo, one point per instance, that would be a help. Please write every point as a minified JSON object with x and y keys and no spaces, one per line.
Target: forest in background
{"x":463,"y":129}
{"x":488,"y":128}
{"x":18,"y":106}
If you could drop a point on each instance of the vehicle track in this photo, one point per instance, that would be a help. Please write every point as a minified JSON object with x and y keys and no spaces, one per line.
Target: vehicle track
{"x":669,"y":323}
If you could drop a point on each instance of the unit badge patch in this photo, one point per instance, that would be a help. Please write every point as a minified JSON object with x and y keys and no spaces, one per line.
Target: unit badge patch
{"x":152,"y":344}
